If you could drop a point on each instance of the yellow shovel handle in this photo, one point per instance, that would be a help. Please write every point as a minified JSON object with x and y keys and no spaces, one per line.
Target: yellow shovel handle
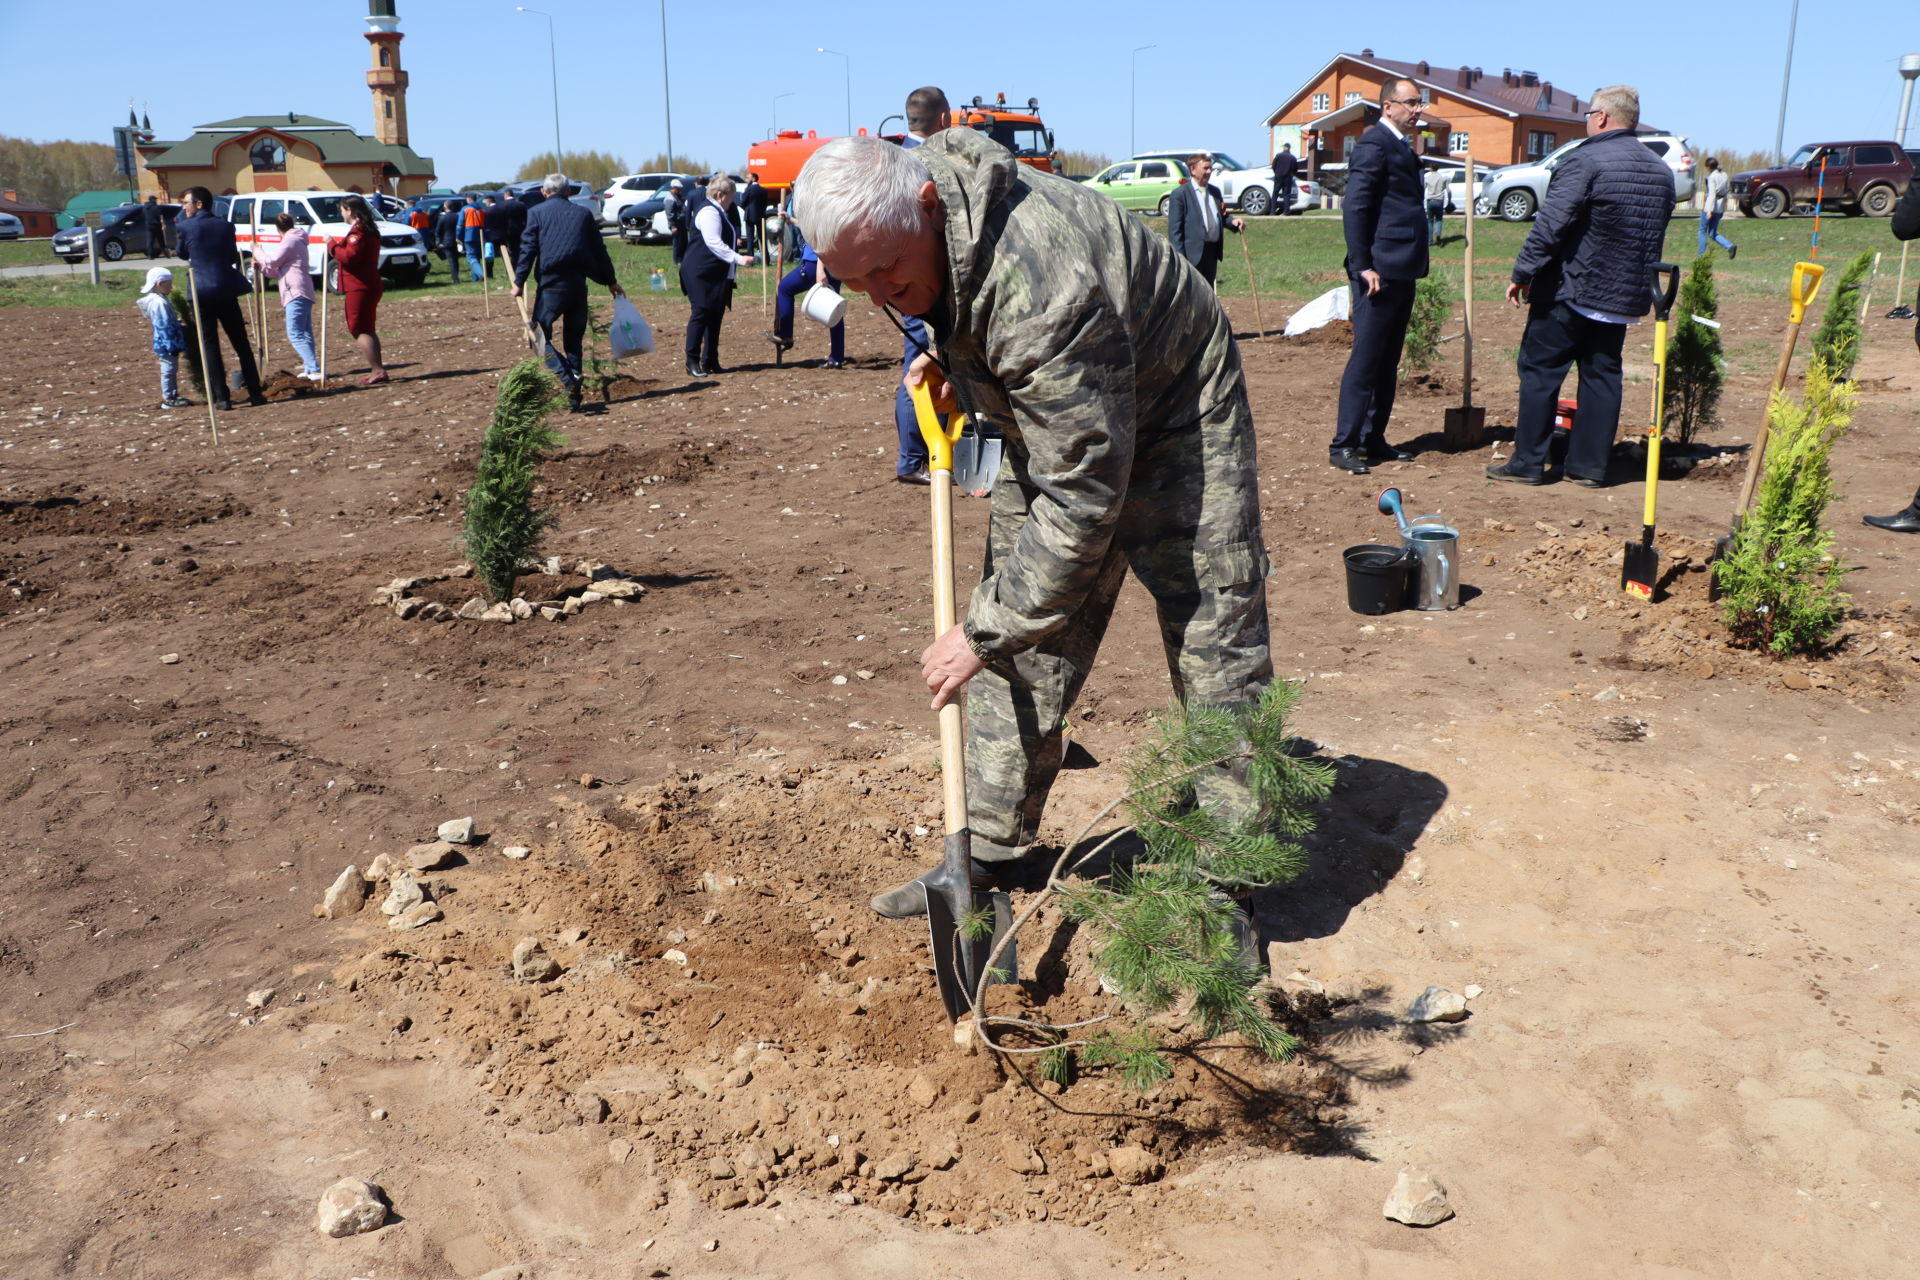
{"x":939,"y":435}
{"x":1806,"y":287}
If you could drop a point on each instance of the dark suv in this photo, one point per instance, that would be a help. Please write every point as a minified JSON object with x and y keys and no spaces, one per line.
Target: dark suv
{"x":123,"y":230}
{"x":1865,"y":178}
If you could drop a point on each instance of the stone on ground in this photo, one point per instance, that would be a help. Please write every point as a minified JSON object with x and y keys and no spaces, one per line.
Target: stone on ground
{"x":1133,"y":1164}
{"x":1437,"y":1004}
{"x":346,"y":895}
{"x":456,"y":831}
{"x":350,"y":1207}
{"x":1417,"y":1200}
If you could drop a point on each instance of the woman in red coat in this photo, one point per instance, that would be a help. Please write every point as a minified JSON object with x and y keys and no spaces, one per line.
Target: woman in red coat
{"x":358,"y":253}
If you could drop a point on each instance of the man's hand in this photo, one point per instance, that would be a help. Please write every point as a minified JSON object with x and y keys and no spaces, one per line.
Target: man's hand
{"x":925,"y":369}
{"x":516,"y":291}
{"x":1238,"y":224}
{"x":948,"y":663}
{"x":613,"y":289}
{"x":1516,"y":293}
{"x":1372,"y":280}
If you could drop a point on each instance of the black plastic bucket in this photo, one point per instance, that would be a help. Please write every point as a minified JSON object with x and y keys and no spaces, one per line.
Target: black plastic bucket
{"x":1377,"y":577}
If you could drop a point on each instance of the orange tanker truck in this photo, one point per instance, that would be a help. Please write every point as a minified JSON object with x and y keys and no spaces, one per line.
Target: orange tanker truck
{"x":778,"y":160}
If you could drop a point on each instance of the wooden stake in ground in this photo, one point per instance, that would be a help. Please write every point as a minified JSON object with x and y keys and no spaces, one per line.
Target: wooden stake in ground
{"x":200,"y":336}
{"x":1866,"y":302}
{"x":1259,"y":316}
{"x":527,"y":330}
{"x":1466,"y":426}
{"x":486,"y":281}
{"x":259,"y":291}
{"x":324,"y":308}
{"x":1901,"y":311}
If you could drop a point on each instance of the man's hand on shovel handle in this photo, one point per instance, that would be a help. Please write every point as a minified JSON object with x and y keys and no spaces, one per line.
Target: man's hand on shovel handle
{"x":925,"y":369}
{"x":948,"y":663}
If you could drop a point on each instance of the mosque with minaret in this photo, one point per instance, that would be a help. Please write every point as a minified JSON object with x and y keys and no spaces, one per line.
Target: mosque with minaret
{"x":292,"y":152}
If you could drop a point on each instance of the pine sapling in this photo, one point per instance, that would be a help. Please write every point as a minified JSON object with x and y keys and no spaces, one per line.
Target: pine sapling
{"x":501,"y":532}
{"x":601,"y":367}
{"x":1695,"y":370}
{"x":1837,"y":340}
{"x":1780,"y":581}
{"x":1432,"y":304}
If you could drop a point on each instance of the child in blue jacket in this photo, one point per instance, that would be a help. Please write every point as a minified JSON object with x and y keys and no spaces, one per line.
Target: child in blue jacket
{"x":169,"y":335}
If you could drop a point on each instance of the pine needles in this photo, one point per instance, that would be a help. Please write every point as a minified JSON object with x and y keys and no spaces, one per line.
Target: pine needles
{"x":1432,"y":304}
{"x":1695,"y":369}
{"x":1837,"y":340}
{"x":501,"y":532}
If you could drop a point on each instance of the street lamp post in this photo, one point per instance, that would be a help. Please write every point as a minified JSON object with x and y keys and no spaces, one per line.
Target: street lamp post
{"x":553,"y":68}
{"x":1909,"y":71}
{"x":849,"y":68}
{"x":666,"y":89}
{"x":776,"y":109}
{"x":1786,"y":77}
{"x":1133,"y":99}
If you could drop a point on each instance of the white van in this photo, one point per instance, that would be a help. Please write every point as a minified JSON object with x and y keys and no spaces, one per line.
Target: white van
{"x":403,"y":253}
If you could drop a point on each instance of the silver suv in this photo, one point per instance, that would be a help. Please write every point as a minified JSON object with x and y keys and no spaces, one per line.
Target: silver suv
{"x":1515,"y":192}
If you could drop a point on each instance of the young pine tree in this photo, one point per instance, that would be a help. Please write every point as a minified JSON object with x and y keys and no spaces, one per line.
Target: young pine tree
{"x":1780,"y":582}
{"x":601,"y":368}
{"x":502,"y":530}
{"x":1837,"y":340}
{"x":1432,"y":304}
{"x":1695,"y":372}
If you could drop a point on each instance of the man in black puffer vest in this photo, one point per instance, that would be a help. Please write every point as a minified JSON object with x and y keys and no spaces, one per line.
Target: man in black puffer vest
{"x":1586,"y":270}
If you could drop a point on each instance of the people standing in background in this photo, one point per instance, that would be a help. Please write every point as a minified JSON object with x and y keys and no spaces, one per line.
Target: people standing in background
{"x":753,"y":211}
{"x":473,"y":235}
{"x":796,"y":282}
{"x":169,"y":334}
{"x":562,"y":244}
{"x":707,"y":273}
{"x":1285,"y":166}
{"x":446,"y":238}
{"x":1437,"y":181}
{"x":1714,"y":208}
{"x":1384,"y":218}
{"x":207,"y":243}
{"x":502,"y":233}
{"x":1196,"y":217}
{"x":358,"y":253}
{"x":675,"y":207}
{"x":154,"y":219}
{"x":286,"y":263}
{"x":928,"y":112}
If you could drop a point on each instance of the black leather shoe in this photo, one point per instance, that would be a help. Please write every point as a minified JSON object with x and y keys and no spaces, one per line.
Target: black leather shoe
{"x":1733,"y":253}
{"x":1348,"y":460}
{"x":1587,"y":482}
{"x":1387,"y":453}
{"x":694,"y":370}
{"x":1907,"y":521}
{"x":905,"y":901}
{"x":223,"y":406}
{"x":1517,"y":477}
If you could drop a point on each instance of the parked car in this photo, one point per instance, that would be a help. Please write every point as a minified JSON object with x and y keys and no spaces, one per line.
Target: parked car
{"x":11,"y":228}
{"x":645,"y":221}
{"x":1248,"y":190}
{"x":123,"y":230}
{"x":578,"y":192}
{"x":1515,"y":192}
{"x":1864,"y":178}
{"x":632,"y":188}
{"x":403,"y":251}
{"x":1143,"y":185}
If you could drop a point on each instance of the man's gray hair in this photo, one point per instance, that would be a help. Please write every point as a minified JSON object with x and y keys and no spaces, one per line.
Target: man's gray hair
{"x":855,"y":182}
{"x":554,"y":183}
{"x":1621,"y":102}
{"x":719,"y":185}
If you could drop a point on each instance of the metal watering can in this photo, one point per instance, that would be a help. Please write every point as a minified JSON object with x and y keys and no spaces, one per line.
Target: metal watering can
{"x":1435,"y":546}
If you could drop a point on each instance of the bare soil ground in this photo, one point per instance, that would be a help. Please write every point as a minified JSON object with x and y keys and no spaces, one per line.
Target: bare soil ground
{"x":1683,"y":876}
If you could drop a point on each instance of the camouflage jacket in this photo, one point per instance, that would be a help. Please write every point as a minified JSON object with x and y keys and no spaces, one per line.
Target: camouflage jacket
{"x":1080,"y":332}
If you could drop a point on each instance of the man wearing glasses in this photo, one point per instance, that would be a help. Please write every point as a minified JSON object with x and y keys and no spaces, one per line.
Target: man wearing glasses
{"x":1385,"y":218}
{"x":1586,"y":273}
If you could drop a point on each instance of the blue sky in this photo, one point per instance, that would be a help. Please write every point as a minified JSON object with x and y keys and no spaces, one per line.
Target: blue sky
{"x":481,"y":100}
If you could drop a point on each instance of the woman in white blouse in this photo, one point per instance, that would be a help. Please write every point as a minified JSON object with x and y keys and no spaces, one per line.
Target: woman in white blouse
{"x":706,"y":275}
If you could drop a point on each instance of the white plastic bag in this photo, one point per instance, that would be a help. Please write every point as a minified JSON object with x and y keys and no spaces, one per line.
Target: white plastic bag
{"x":629,"y":333}
{"x":1332,"y":305}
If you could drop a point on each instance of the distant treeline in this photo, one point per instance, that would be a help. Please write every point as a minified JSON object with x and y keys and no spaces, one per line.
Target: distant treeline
{"x":52,"y":173}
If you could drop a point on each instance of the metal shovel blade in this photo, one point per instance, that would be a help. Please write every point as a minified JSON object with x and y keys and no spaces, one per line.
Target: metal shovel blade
{"x":1640,"y":570}
{"x":959,"y":959}
{"x":976,"y":463}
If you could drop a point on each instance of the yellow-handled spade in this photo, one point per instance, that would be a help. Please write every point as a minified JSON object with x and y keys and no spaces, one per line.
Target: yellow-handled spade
{"x":1640,"y":566}
{"x":965,"y":923}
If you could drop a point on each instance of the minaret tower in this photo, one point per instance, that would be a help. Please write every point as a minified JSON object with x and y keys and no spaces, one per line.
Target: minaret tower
{"x":387,"y":80}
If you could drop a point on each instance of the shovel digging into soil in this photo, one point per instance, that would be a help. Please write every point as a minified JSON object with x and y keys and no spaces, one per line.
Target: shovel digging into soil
{"x":1640,"y":563}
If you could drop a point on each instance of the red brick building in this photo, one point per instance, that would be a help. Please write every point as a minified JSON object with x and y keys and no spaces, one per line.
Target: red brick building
{"x":36,"y":218}
{"x":1505,"y":119}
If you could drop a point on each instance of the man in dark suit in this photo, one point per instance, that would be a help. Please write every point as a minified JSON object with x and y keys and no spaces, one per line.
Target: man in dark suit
{"x":1196,"y":216}
{"x":753,"y":211}
{"x":1385,"y":218}
{"x":446,"y":238}
{"x":213,"y":260}
{"x":561,"y":245}
{"x":154,"y":219}
{"x":1285,"y":166}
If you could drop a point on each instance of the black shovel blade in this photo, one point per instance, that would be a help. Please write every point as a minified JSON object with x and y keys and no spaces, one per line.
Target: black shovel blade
{"x":961,"y":952}
{"x":1640,"y":570}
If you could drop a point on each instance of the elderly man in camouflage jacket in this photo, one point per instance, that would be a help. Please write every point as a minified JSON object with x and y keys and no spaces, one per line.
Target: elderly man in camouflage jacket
{"x":1113,"y":372}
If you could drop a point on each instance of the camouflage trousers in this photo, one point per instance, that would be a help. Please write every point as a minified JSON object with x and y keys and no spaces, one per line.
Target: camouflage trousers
{"x":1189,"y":529}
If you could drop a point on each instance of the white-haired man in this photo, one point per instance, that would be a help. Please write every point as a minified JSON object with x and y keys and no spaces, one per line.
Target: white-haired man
{"x":1113,"y":372}
{"x":562,"y":242}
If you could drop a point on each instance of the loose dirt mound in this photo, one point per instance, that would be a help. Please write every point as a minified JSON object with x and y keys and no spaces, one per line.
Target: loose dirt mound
{"x":750,"y":1027}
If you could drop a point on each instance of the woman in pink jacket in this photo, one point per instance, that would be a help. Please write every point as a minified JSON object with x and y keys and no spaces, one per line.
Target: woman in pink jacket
{"x":286,"y":262}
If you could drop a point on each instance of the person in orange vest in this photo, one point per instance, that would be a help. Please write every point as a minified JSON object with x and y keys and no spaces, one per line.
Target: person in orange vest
{"x":473,"y":230}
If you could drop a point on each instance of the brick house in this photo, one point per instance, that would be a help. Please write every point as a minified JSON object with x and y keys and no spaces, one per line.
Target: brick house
{"x":1506,"y":119}
{"x":36,"y":219}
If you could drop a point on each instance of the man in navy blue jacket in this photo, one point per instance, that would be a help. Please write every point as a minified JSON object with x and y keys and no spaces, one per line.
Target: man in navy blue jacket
{"x":1586,"y":270}
{"x":206,"y":242}
{"x":1385,"y":219}
{"x":562,"y":242}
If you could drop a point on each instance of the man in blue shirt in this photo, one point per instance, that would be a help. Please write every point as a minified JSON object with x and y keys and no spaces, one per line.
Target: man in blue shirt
{"x":562,"y":243}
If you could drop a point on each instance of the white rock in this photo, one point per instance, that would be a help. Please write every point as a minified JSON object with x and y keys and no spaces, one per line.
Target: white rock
{"x":516,"y":852}
{"x":457,"y":831}
{"x":619,"y":589}
{"x":674,"y":956}
{"x":521,"y":609}
{"x":1608,"y":694}
{"x":550,"y":613}
{"x":502,"y":612}
{"x":259,"y":999}
{"x":403,"y":892}
{"x":475,"y":607}
{"x":1437,"y":1004}
{"x":1417,"y":1200}
{"x":169,"y":658}
{"x":383,"y":867}
{"x":346,"y":895}
{"x":416,"y":915}
{"x":350,"y":1207}
{"x":591,"y":597}
{"x":571,"y":606}
{"x":1473,"y":990}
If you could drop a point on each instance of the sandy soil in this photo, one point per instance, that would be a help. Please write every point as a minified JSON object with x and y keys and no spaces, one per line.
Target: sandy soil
{"x":1681,"y":875}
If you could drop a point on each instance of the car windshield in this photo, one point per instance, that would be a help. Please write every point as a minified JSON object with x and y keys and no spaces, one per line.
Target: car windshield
{"x":326,"y":208}
{"x":1225,"y":162}
{"x":1804,"y":156}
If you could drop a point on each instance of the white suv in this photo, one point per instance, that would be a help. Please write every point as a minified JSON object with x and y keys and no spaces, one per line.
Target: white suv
{"x":403,"y":253}
{"x":1248,"y":190}
{"x":1516,"y":191}
{"x":629,"y":189}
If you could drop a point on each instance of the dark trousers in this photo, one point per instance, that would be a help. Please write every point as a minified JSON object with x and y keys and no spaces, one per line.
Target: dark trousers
{"x":913,"y":446}
{"x":1373,"y":369}
{"x":679,"y":245}
{"x":1558,"y":337}
{"x":217,"y":314}
{"x":563,"y":300}
{"x":793,"y":284}
{"x":156,"y":242}
{"x":1283,"y":196}
{"x":710,"y":302}
{"x":453,"y":262}
{"x":1209,"y":264}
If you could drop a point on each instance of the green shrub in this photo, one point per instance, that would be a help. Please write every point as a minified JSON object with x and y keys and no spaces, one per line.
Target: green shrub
{"x":501,"y":531}
{"x":1695,"y":372}
{"x":1780,"y":581}
{"x":1432,"y":304}
{"x":1837,"y":341}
